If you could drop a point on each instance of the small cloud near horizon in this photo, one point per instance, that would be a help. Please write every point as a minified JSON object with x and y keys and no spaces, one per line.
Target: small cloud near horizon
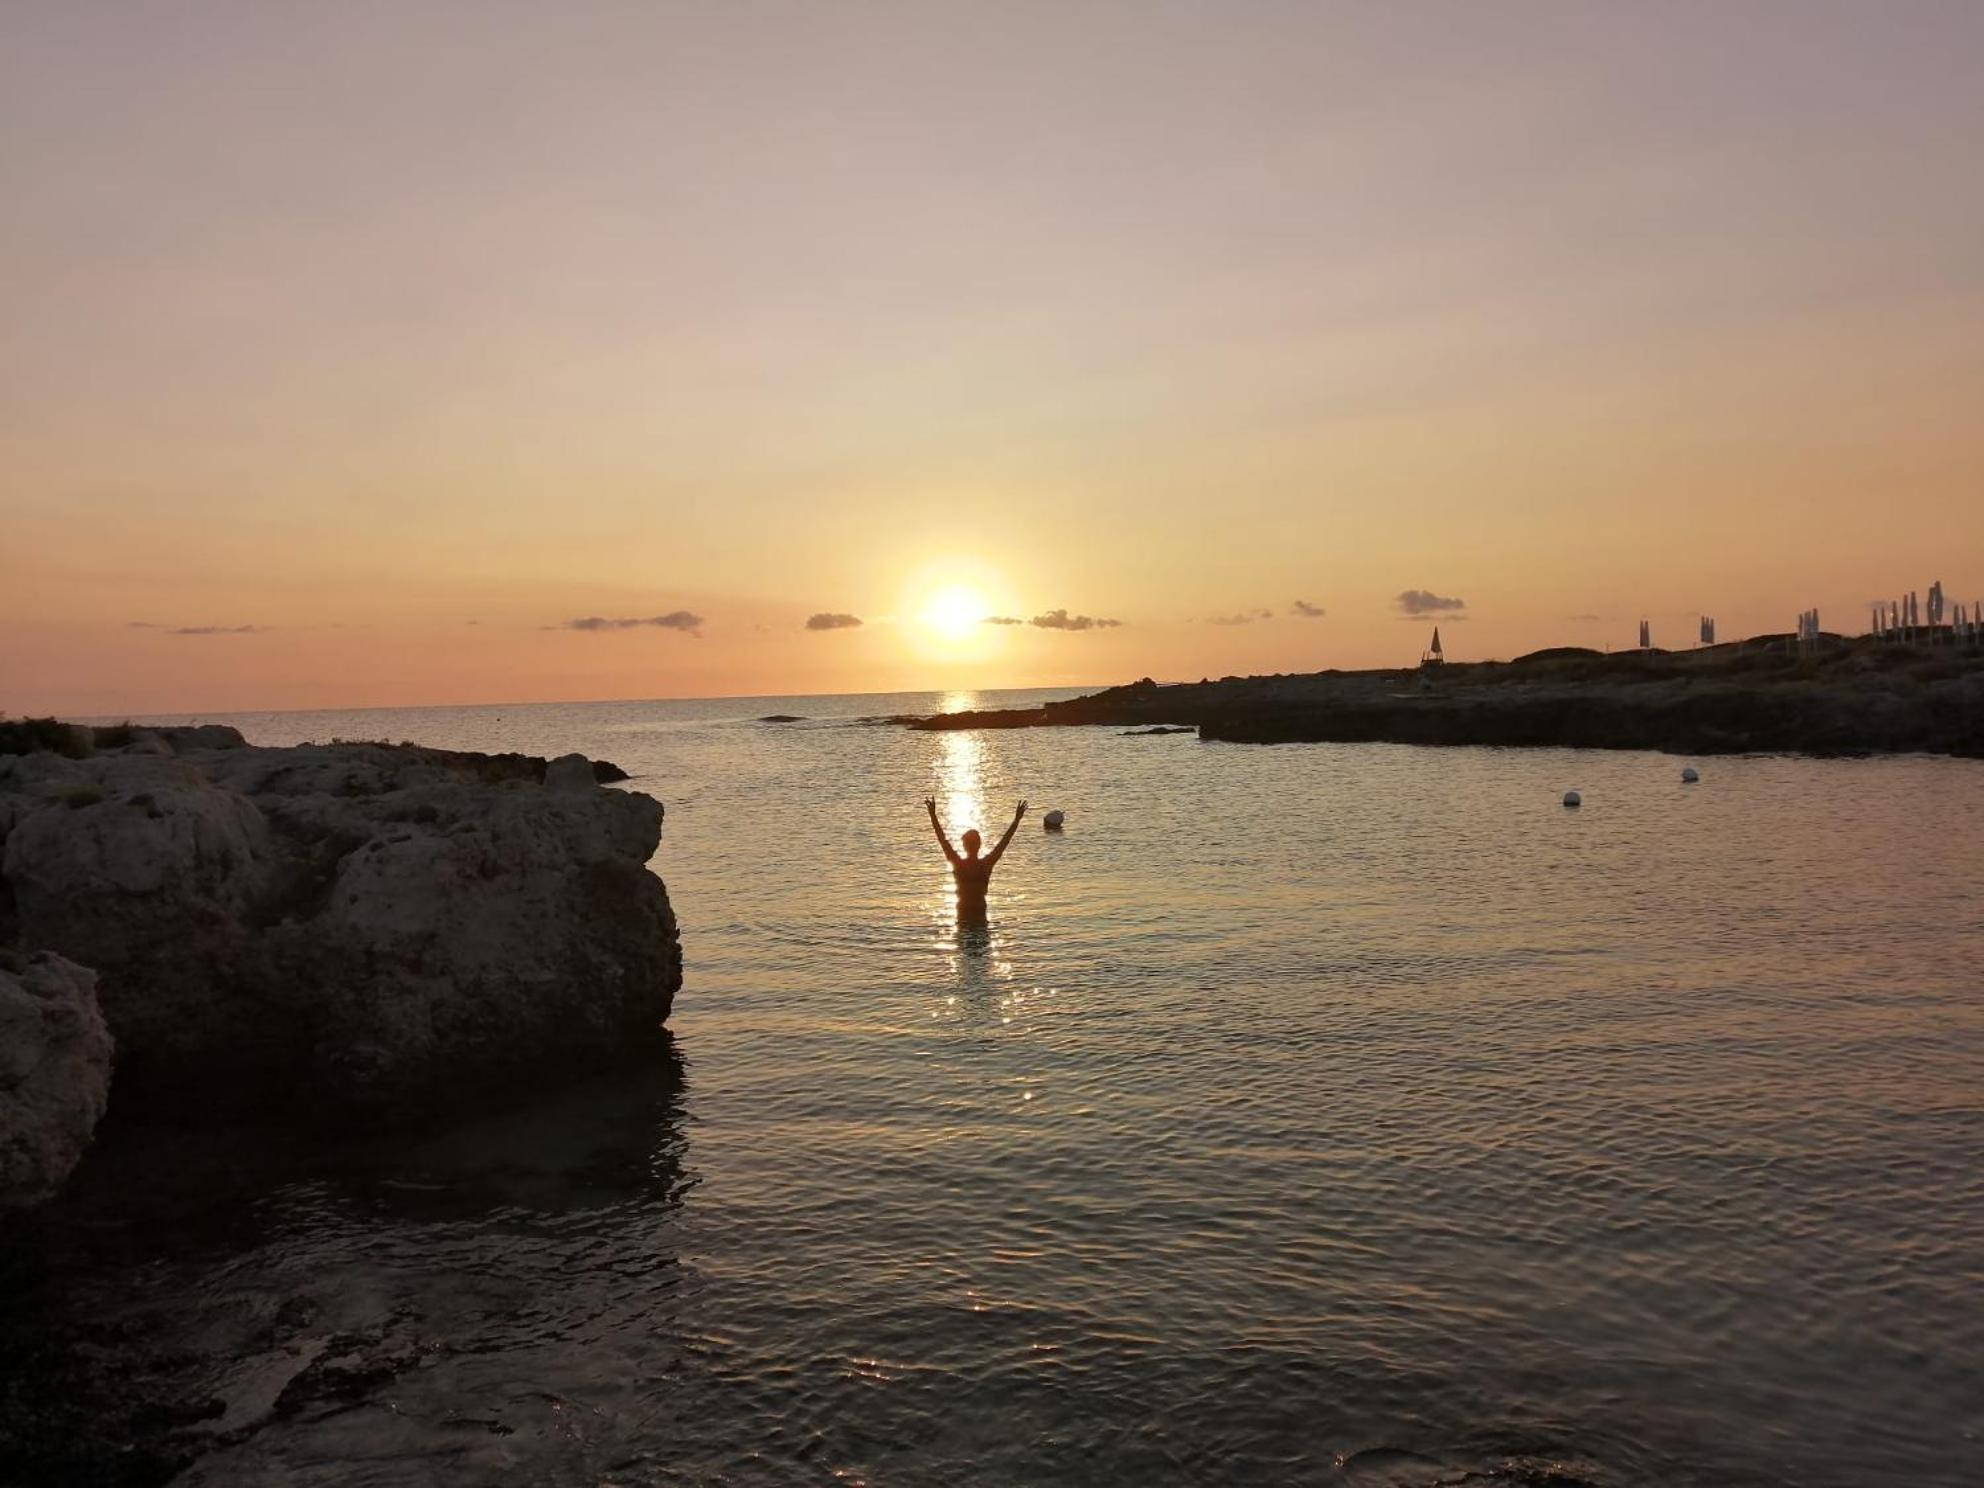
{"x":827,"y":620}
{"x":1426,"y":602}
{"x":683,"y":620}
{"x":1004,"y":620}
{"x":196,"y":630}
{"x":1062,"y":620}
{"x":1242,"y":617}
{"x":1306,"y":611}
{"x":1583,"y":619}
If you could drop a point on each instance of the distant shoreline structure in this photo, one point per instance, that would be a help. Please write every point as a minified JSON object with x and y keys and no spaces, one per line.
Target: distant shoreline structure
{"x":1812,"y":693}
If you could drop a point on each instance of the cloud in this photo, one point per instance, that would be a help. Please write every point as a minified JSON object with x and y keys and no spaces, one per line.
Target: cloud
{"x":1004,"y":620}
{"x":1062,"y":620}
{"x":139,"y":625}
{"x":1426,"y":602}
{"x":1584,"y":619}
{"x":828,"y":621}
{"x":681,"y":620}
{"x":1307,"y":611}
{"x":212,"y":629}
{"x":1243,"y":617}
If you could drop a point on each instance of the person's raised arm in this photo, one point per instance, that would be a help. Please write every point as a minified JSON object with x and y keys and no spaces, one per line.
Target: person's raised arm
{"x":930,"y":804}
{"x":1018,"y":812}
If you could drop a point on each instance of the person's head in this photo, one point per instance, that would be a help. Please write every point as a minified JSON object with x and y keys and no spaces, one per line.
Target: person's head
{"x":971,"y":840}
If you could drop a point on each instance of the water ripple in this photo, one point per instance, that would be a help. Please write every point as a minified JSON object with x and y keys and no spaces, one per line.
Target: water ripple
{"x":1333,"y":1114}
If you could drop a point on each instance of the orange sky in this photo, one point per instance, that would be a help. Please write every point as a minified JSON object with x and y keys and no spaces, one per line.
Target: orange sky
{"x":407,"y":339}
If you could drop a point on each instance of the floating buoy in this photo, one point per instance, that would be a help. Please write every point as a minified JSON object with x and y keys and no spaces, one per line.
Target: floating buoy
{"x":1689,"y":775}
{"x":1052,"y":821}
{"x":1572,"y":798}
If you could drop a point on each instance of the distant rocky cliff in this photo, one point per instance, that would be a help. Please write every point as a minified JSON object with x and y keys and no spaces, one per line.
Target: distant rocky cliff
{"x":347,"y":931}
{"x":1853,"y":698}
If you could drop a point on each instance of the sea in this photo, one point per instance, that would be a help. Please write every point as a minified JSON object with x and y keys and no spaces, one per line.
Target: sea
{"x":1307,"y":1114}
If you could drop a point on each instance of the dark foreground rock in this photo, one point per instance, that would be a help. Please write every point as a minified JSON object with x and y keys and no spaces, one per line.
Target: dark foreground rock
{"x":191,"y":1308}
{"x":54,"y":1073}
{"x":346,"y":931}
{"x":1853,"y":698}
{"x":81,"y":741}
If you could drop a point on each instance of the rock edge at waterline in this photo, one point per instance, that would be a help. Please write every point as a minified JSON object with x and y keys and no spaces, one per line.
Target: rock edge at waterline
{"x":342,"y":931}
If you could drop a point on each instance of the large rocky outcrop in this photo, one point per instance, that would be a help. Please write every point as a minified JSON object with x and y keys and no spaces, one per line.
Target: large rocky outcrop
{"x":54,"y":1073}
{"x":360,"y":929}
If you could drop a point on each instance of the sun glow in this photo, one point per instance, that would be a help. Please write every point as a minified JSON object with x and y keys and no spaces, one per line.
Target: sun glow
{"x":944,"y":610}
{"x":954,"y":612}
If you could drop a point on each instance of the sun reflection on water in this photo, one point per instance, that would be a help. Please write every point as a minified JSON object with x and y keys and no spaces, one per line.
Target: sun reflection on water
{"x":960,"y":783}
{"x":976,"y":954}
{"x":958,"y":786}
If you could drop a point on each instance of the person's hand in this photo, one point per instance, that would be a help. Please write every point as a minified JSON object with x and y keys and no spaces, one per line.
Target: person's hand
{"x":930,"y":803}
{"x":1020,"y":812}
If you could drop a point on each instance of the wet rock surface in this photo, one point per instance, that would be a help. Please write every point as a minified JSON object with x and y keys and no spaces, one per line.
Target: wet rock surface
{"x":234,"y":1305}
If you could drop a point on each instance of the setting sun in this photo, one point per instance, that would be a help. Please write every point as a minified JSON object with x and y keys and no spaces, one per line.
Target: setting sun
{"x":945,"y":606}
{"x":954,"y":612}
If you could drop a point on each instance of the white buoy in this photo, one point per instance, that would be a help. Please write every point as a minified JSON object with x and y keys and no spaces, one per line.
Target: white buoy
{"x":1052,"y":821}
{"x":1689,"y":775}
{"x":1572,"y":798}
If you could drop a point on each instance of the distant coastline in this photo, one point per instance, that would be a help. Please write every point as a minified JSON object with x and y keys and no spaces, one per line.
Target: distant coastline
{"x":1769,"y":694}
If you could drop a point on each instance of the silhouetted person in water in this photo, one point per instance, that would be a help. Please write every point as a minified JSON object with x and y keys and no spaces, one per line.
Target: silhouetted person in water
{"x":972,"y":872}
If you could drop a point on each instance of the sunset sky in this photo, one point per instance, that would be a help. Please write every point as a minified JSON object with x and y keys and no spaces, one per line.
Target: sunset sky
{"x":350,"y":353}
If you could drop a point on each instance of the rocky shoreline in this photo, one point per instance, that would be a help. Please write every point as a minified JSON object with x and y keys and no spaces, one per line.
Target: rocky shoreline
{"x":195,"y":930}
{"x":1847,"y":699}
{"x":228,"y":973}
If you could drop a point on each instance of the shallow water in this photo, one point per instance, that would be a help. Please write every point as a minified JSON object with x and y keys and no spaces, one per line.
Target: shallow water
{"x":1310,"y":1114}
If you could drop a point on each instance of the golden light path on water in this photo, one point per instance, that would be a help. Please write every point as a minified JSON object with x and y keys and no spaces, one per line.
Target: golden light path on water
{"x":959,"y":787}
{"x":961,"y":799}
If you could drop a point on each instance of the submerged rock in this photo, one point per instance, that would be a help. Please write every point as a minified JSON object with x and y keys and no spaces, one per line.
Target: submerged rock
{"x":361,"y":930}
{"x":55,"y":1057}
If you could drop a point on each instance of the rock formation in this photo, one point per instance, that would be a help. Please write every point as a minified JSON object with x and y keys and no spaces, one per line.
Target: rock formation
{"x":344,"y":931}
{"x":1857,"y":697}
{"x":54,"y":1073}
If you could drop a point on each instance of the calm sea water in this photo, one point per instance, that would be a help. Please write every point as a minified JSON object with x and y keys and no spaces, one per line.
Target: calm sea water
{"x":1310,"y":1115}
